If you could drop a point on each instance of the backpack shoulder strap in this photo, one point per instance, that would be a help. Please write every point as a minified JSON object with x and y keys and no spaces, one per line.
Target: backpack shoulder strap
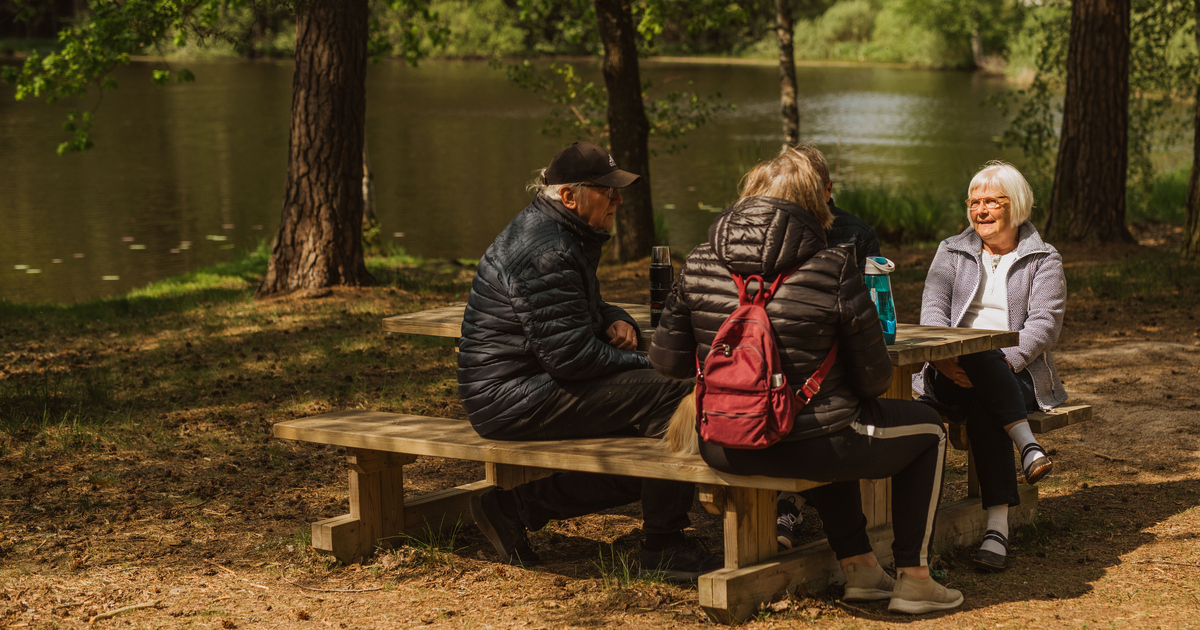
{"x":813,"y":384}
{"x":765,"y":293}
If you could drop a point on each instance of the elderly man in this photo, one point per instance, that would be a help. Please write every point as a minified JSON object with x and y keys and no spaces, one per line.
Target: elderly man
{"x":542,"y":356}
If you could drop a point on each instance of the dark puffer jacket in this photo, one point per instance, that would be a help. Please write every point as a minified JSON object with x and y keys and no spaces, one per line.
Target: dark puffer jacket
{"x":823,"y":300}
{"x":848,"y":228}
{"x":535,"y":316}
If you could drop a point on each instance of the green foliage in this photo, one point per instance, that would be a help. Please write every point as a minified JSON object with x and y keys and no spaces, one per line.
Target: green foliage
{"x":848,"y":21}
{"x":1162,"y":73}
{"x":1165,"y":201}
{"x":406,"y":28}
{"x":902,"y":215}
{"x":582,"y":112}
{"x":111,"y":32}
{"x":479,"y":28}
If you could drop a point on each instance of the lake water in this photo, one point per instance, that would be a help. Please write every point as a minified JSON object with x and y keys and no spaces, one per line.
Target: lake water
{"x":452,"y":145}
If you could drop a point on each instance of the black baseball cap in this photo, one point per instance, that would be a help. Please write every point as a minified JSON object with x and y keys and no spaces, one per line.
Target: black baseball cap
{"x":587,"y":162}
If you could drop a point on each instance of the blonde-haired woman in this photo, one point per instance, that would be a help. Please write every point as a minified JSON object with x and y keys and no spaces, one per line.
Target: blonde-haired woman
{"x":997,"y":274}
{"x":844,"y":433}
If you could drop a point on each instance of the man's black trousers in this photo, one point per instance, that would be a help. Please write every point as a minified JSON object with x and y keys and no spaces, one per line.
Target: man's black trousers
{"x":635,"y":402}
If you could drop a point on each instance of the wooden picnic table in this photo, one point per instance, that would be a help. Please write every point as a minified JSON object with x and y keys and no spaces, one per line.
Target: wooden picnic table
{"x":381,"y":444}
{"x":915,"y":345}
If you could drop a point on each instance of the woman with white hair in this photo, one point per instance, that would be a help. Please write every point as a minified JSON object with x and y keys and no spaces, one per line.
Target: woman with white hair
{"x":997,"y":274}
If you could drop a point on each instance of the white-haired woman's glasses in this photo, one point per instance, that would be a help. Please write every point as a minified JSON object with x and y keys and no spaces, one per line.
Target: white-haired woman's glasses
{"x":991,"y":203}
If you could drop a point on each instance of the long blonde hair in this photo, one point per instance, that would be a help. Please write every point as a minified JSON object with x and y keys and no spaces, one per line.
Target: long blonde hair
{"x":791,"y":175}
{"x":681,"y":432}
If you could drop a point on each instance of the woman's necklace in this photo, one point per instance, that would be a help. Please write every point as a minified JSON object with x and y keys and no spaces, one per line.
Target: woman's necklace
{"x":994,"y":260}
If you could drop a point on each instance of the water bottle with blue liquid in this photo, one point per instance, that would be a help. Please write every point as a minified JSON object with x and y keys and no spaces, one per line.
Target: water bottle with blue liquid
{"x":880,"y":284}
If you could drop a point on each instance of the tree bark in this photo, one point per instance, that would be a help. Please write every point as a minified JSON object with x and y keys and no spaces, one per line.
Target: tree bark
{"x":368,"y":189}
{"x":1087,"y":202}
{"x":628,"y":128}
{"x":1191,"y":234}
{"x":319,"y":243}
{"x":784,"y":28}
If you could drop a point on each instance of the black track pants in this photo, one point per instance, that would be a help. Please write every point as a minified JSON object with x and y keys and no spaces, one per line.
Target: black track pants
{"x":900,"y":439}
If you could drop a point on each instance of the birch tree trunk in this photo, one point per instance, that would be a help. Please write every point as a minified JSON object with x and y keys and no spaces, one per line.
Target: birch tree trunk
{"x":784,"y":28}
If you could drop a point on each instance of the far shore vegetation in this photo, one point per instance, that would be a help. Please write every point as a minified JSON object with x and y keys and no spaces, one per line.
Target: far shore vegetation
{"x":906,"y":32}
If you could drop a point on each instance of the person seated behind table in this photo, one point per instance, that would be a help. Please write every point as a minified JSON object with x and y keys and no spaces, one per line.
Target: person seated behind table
{"x":845,"y":433}
{"x":543,"y":357}
{"x":846,"y":228}
{"x":997,"y":274}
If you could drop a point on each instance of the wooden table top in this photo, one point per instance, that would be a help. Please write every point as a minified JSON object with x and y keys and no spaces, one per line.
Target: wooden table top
{"x":915,"y":344}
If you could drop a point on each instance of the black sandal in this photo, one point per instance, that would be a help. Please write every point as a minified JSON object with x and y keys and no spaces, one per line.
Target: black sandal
{"x":1040,"y":467}
{"x":990,"y":561}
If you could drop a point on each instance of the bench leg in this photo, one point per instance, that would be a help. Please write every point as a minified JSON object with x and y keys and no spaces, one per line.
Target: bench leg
{"x":749,"y":541}
{"x":964,"y":522}
{"x":376,"y":506}
{"x":972,"y":477}
{"x":441,"y":512}
{"x":508,"y":476}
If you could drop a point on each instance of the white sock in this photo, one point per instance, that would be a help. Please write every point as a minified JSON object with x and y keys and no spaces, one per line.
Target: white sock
{"x":791,"y":497}
{"x":1022,"y":436}
{"x":998,"y":521}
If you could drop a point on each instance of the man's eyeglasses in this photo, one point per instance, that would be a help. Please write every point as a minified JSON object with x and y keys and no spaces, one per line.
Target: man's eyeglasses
{"x":986,"y":202}
{"x":611,"y":192}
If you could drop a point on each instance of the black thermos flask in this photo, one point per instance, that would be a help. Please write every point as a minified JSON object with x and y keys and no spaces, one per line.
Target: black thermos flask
{"x":662,"y":275}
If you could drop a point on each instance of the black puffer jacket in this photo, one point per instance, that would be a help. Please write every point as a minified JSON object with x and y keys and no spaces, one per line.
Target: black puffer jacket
{"x":848,"y":228}
{"x":535,"y":316}
{"x":823,"y":300}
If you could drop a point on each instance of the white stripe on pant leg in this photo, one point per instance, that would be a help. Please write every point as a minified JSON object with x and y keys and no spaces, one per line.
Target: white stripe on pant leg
{"x":907,"y":430}
{"x":933,"y":501}
{"x":910,"y":431}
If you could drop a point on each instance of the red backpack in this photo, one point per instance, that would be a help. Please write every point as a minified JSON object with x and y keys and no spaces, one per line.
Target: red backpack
{"x":742,"y":395}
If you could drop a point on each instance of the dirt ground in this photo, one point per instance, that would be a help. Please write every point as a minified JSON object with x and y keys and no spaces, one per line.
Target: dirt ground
{"x":205,"y":525}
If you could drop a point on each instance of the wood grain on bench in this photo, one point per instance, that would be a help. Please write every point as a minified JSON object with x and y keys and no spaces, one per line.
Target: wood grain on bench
{"x":455,"y":439}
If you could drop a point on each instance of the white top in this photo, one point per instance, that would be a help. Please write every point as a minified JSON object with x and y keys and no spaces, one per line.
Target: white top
{"x":989,"y":307}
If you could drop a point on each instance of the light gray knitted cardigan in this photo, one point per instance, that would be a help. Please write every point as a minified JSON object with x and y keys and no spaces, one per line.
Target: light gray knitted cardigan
{"x":1037,"y":293}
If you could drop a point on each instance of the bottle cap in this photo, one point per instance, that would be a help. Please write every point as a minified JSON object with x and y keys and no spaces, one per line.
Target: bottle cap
{"x":660,"y":255}
{"x":879,"y":266}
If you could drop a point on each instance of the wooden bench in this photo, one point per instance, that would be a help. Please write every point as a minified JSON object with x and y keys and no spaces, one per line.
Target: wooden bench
{"x":383,"y":443}
{"x":968,"y":529}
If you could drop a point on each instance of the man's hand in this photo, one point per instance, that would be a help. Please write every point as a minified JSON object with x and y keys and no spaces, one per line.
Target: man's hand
{"x":951,"y":369}
{"x":622,"y":335}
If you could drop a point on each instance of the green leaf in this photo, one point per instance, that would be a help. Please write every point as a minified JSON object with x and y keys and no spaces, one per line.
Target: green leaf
{"x":185,"y":76}
{"x":160,"y":77}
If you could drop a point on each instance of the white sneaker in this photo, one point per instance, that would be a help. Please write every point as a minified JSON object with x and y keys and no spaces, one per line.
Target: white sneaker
{"x":917,"y":597}
{"x":867,"y":584}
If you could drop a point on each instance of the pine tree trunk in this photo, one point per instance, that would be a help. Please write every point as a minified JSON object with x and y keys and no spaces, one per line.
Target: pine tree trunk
{"x":784,"y":27}
{"x":628,"y":128}
{"x":1191,"y":234}
{"x":319,"y":243}
{"x":1087,"y":203}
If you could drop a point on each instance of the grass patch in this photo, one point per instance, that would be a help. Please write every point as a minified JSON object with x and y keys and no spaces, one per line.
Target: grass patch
{"x":1155,"y":277}
{"x":619,"y":570}
{"x":902,"y":215}
{"x":1165,"y":202}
